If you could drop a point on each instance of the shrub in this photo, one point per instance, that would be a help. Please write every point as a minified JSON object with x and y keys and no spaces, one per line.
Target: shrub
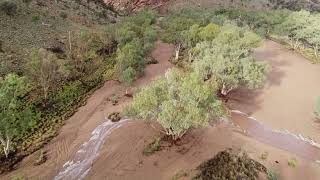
{"x":8,"y":7}
{"x":292,"y":163}
{"x":130,"y":61}
{"x":35,"y":18}
{"x":68,"y":95}
{"x":63,"y":15}
{"x":45,"y":70}
{"x":226,"y":165}
{"x":83,"y":53}
{"x":153,"y":147}
{"x":128,"y":75}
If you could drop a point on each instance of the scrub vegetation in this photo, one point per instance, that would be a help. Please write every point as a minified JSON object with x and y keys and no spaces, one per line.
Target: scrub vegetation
{"x":49,"y":83}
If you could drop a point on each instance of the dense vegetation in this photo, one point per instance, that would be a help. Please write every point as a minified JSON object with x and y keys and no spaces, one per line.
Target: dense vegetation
{"x":53,"y":82}
{"x":217,"y":60}
{"x":215,"y":49}
{"x":298,"y":29}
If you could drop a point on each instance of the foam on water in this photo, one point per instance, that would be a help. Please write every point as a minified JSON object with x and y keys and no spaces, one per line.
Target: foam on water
{"x":79,"y":166}
{"x":284,"y":139}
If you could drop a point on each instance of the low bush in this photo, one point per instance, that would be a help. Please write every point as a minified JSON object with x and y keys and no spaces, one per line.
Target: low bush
{"x":292,"y":163}
{"x":9,"y":7}
{"x":153,"y":147}
{"x":227,"y":165}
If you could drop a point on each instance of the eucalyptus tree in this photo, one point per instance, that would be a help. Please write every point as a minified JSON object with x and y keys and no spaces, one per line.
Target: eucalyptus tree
{"x":228,"y":60}
{"x":15,"y":118}
{"x":177,"y":102}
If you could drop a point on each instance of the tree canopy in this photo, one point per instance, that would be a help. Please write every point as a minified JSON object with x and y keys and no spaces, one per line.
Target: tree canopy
{"x":178,"y":102}
{"x":15,"y":117}
{"x":228,"y":60}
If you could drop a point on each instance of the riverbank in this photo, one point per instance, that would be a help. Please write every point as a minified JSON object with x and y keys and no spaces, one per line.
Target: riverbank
{"x":79,"y":127}
{"x":287,"y":100}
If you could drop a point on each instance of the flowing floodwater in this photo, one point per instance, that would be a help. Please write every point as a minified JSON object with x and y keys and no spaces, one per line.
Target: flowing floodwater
{"x":297,"y":144}
{"x":79,"y":166}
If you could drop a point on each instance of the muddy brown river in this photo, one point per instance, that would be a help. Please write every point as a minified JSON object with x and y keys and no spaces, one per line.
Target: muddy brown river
{"x":296,"y":144}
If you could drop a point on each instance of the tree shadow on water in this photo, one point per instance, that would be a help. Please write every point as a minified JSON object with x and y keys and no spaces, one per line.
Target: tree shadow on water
{"x":245,"y":100}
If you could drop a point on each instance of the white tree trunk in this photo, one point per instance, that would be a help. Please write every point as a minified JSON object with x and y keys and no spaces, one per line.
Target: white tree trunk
{"x":177,"y":52}
{"x":225,"y":91}
{"x":315,"y":50}
{"x":6,"y":145}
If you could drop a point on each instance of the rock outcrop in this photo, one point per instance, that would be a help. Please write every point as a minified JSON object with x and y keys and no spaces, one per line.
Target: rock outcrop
{"x":134,"y":5}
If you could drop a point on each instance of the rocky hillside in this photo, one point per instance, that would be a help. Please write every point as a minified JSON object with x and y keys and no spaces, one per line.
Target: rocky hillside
{"x":28,"y":24}
{"x":133,"y":5}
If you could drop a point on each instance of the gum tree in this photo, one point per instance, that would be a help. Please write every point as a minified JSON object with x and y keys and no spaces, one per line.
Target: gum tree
{"x":227,"y":60}
{"x":45,"y":69}
{"x":177,"y":102}
{"x":15,"y":118}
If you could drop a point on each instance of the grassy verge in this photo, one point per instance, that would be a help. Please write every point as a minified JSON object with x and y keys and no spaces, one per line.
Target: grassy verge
{"x":308,"y":53}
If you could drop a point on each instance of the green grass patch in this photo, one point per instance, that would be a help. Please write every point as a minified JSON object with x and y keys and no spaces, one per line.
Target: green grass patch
{"x":293,"y":163}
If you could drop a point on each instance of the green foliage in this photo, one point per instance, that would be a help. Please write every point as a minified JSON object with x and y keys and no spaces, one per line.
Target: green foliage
{"x":15,"y":116}
{"x":135,"y":36}
{"x":130,"y":61}
{"x":209,"y":32}
{"x":197,"y":34}
{"x":178,"y":102}
{"x":139,"y":26}
{"x":9,"y":7}
{"x":45,"y":70}
{"x":272,"y":175}
{"x":35,"y":18}
{"x":178,"y":22}
{"x":292,"y":163}
{"x":302,"y":28}
{"x":128,"y":75}
{"x":18,"y":177}
{"x":152,"y":147}
{"x":68,"y":95}
{"x":227,"y":59}
{"x":83,"y":52}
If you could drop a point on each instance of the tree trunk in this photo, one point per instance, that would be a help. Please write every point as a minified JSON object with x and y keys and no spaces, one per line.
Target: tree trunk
{"x":177,"y":52}
{"x":316,"y":50}
{"x":6,"y":145}
{"x":225,"y":91}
